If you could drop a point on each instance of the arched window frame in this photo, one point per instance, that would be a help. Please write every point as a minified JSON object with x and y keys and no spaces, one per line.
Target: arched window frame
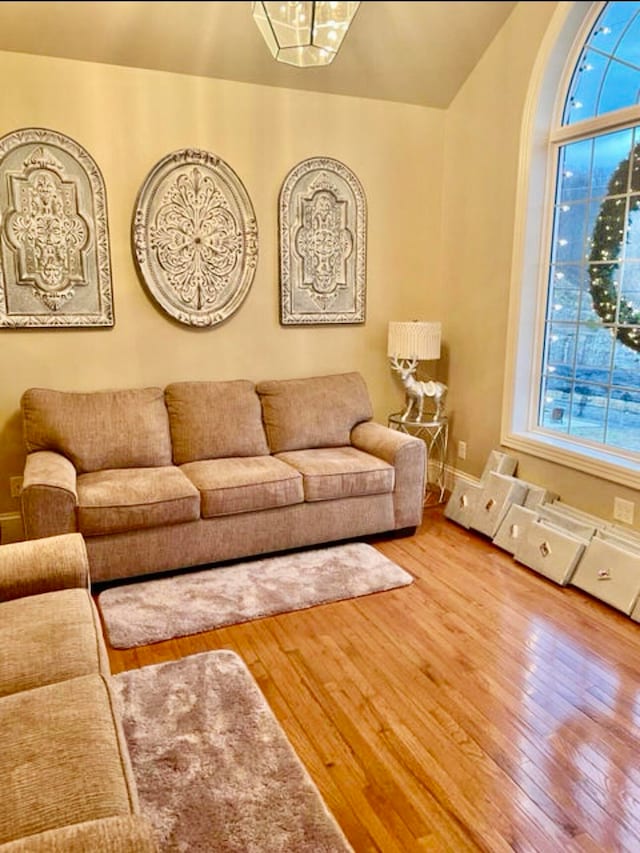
{"x":542,"y":134}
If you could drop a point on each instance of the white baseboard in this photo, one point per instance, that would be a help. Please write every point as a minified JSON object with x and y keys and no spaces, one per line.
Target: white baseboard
{"x":11,"y":527}
{"x":453,"y":476}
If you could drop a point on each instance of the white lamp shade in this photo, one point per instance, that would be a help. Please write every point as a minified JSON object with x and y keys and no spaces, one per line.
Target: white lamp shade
{"x":414,"y":339}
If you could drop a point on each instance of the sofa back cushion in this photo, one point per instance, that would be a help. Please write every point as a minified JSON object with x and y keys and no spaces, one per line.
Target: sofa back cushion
{"x":212,"y":420}
{"x":99,"y":429}
{"x":319,"y":411}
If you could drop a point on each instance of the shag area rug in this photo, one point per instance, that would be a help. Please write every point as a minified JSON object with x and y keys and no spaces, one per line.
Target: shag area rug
{"x":136,"y":614}
{"x":213,"y":767}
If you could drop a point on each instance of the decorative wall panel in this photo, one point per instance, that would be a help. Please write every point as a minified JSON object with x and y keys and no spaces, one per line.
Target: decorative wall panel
{"x":55,"y":268}
{"x":323,"y":222}
{"x":195,"y":237}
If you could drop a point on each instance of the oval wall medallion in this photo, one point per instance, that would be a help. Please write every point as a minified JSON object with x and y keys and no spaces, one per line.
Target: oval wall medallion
{"x":323,"y":238}
{"x":54,"y":242}
{"x":195,"y":237}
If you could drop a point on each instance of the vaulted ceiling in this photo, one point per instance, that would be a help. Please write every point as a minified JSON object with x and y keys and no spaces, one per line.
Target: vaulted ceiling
{"x":412,"y":52}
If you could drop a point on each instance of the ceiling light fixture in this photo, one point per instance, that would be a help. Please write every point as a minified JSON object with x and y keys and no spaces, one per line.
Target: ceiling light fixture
{"x":304,"y":34}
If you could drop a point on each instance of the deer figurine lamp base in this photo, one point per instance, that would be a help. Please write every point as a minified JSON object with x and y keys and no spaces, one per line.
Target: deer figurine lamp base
{"x":416,"y":391}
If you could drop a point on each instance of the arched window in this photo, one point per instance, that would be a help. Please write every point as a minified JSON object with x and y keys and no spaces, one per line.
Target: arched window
{"x":579,"y":400}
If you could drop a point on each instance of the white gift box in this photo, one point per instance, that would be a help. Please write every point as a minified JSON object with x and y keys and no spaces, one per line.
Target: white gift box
{"x":610,"y":571}
{"x":551,"y":551}
{"x":499,"y":492}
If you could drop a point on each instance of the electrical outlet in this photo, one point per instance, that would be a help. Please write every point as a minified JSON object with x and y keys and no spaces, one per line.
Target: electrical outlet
{"x":623,"y":510}
{"x":462,"y":450}
{"x":15,"y":486}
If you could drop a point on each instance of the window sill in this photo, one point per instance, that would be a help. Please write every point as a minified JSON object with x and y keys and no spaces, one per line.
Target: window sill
{"x":614,"y":467}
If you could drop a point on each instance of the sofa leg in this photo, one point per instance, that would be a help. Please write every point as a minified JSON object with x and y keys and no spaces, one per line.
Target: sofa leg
{"x":406,"y":531}
{"x":396,"y":533}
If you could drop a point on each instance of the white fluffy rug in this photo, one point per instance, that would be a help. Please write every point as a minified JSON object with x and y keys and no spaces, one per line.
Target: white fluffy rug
{"x":214,"y":769}
{"x":136,"y":614}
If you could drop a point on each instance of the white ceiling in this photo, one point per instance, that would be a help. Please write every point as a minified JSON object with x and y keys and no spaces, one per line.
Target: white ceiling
{"x":413,"y":52}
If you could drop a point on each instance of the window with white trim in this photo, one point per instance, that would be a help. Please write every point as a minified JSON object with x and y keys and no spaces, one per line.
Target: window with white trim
{"x":585,"y":381}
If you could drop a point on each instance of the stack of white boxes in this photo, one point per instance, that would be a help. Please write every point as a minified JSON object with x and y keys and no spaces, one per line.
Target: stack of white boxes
{"x":562,"y":543}
{"x":466,"y":497}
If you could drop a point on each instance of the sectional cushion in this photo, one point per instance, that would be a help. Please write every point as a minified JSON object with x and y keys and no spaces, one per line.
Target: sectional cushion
{"x":63,"y":759}
{"x":134,"y":498}
{"x":340,"y":472}
{"x":319,"y":411}
{"x":100,"y":429}
{"x":210,"y":420}
{"x":29,"y":658}
{"x":229,"y":486}
{"x":121,"y":834}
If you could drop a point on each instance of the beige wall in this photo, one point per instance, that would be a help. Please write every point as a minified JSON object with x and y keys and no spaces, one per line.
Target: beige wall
{"x":482,"y":139}
{"x":128,"y":120}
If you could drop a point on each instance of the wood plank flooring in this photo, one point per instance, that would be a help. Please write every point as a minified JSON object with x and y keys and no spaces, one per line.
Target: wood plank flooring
{"x":480,"y":708}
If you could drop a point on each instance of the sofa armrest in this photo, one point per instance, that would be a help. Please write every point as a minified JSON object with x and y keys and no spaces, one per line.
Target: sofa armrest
{"x":49,"y":495}
{"x":122,"y":834}
{"x":408,"y":455}
{"x":43,"y":565}
{"x":382,"y":441}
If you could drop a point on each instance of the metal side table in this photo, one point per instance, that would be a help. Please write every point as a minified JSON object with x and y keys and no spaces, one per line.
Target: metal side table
{"x":435,"y":434}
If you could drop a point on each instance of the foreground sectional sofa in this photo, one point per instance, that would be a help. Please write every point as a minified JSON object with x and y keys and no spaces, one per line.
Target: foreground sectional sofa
{"x":67,"y":785}
{"x":200,"y":472}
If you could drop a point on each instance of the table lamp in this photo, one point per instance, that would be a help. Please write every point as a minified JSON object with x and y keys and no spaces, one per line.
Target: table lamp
{"x":407,"y":344}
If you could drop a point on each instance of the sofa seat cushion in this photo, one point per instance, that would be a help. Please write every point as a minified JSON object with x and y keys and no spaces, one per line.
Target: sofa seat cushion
{"x":230,"y":486}
{"x":135,"y":498}
{"x":340,"y":472}
{"x":47,"y":638}
{"x":212,"y":420}
{"x":62,"y":758}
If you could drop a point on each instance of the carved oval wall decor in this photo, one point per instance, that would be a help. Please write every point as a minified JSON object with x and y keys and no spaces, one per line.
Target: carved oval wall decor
{"x":195,"y":237}
{"x":55,"y":268}
{"x":323,"y":222}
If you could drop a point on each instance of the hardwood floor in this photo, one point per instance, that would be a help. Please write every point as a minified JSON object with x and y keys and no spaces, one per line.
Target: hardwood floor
{"x":480,"y":708}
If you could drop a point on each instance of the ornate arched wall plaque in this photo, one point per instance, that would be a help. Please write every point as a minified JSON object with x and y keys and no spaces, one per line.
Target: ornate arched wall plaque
{"x":195,"y":237}
{"x":55,"y":268}
{"x":323,"y":236}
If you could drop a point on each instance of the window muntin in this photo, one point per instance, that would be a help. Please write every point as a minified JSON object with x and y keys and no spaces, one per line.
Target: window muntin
{"x":607,"y":75}
{"x":589,"y":388}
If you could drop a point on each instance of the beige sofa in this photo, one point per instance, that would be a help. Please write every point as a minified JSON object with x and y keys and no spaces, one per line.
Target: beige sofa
{"x":201,"y":472}
{"x":67,"y":784}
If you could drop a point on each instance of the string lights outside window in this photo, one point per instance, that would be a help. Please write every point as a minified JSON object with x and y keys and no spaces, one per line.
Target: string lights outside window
{"x":304,"y":34}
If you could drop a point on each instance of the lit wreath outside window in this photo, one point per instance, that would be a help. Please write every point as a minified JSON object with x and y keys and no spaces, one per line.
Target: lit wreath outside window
{"x":607,"y":239}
